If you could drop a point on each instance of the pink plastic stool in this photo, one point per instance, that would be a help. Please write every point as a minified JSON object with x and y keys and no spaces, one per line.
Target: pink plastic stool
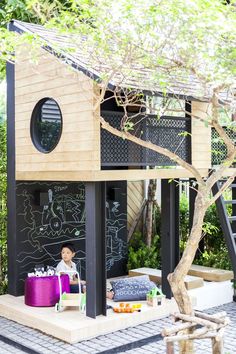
{"x":44,"y":291}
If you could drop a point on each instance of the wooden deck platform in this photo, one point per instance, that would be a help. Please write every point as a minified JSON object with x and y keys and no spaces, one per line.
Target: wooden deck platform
{"x":73,"y":326}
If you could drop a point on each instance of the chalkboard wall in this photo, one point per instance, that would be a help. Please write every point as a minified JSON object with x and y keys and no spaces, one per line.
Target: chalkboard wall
{"x":51,"y":213}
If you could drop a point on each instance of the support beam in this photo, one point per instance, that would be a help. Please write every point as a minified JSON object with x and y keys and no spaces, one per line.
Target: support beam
{"x":234,"y":207}
{"x":169,"y":231}
{"x":11,"y":183}
{"x":95,"y":199}
{"x":188,"y":108}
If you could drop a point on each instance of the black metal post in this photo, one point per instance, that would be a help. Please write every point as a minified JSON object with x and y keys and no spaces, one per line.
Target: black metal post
{"x":95,"y":199}
{"x":233,"y":225}
{"x":169,"y":231}
{"x":11,"y":183}
{"x":188,"y":108}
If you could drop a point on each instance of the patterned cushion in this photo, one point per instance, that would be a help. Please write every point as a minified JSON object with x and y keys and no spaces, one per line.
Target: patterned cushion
{"x":132,"y":289}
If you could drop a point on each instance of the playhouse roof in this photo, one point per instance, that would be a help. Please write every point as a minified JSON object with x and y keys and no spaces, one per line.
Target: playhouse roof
{"x":83,"y":60}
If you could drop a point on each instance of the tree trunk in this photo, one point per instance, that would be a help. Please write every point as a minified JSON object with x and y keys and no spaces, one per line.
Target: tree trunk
{"x":149,"y":223}
{"x":150,"y":207}
{"x":217,"y":346}
{"x":176,"y":279}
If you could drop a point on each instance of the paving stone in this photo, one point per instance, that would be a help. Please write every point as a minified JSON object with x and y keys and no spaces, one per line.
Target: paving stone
{"x":45,"y":344}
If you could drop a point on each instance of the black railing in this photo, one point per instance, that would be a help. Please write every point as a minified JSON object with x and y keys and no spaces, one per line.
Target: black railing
{"x":218,"y":147}
{"x":167,"y":132}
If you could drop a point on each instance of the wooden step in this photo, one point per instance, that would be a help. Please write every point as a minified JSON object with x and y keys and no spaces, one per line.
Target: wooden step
{"x":232,"y":218}
{"x":230,"y":201}
{"x":211,"y":274}
{"x":191,"y":282}
{"x":233,"y":185}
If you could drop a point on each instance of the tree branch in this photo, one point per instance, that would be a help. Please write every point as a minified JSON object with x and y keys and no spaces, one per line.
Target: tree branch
{"x":147,"y":144}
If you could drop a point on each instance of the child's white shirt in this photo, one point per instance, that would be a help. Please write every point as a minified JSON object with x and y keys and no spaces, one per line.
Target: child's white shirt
{"x":63,"y":267}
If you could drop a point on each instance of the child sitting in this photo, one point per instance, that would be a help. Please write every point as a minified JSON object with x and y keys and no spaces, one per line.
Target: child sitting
{"x":66,"y":264}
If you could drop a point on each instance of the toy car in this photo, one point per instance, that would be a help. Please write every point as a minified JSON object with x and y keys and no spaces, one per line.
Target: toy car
{"x":69,"y":299}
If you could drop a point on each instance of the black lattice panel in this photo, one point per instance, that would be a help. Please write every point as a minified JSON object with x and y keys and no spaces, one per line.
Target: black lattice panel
{"x":165,"y":132}
{"x":218,"y":147}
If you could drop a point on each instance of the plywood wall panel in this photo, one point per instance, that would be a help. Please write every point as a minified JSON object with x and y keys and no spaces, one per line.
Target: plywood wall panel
{"x":80,"y":108}
{"x":59,"y":166}
{"x":135,"y":196}
{"x":67,"y":156}
{"x":201,"y":136}
{"x":44,"y":67}
{"x":79,"y":146}
{"x":30,"y":149}
{"x":24,"y":96}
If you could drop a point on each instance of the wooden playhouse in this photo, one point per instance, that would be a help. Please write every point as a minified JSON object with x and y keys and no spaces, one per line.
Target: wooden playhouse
{"x":63,"y":166}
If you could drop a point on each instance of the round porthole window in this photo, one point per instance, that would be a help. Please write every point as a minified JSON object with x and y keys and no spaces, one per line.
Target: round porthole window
{"x":46,"y":125}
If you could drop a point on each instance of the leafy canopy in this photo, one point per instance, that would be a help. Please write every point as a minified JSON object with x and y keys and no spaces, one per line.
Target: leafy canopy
{"x":171,"y":40}
{"x":24,"y":10}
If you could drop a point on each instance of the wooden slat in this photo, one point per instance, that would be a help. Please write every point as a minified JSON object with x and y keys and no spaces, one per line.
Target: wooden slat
{"x":60,"y":148}
{"x":132,"y":208}
{"x":76,"y":146}
{"x":55,"y":166}
{"x":28,"y":107}
{"x":71,"y":118}
{"x":57,"y":157}
{"x":211,"y":274}
{"x":201,"y":137}
{"x":136,"y":188}
{"x":136,"y":220}
{"x":191,"y":282}
{"x":135,"y":197}
{"x":86,"y":175}
{"x":43,"y":63}
{"x":65,"y":137}
{"x":23,"y":126}
{"x":69,"y":90}
{"x":134,"y":175}
{"x":64,"y":98}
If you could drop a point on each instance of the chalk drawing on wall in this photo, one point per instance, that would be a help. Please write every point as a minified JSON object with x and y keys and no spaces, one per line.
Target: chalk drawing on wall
{"x":42,"y":229}
{"x":115,"y":227}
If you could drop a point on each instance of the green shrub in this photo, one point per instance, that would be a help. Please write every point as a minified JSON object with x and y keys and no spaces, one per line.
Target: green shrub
{"x":139,"y":255}
{"x":184,"y":218}
{"x":216,"y":259}
{"x":213,"y":252}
